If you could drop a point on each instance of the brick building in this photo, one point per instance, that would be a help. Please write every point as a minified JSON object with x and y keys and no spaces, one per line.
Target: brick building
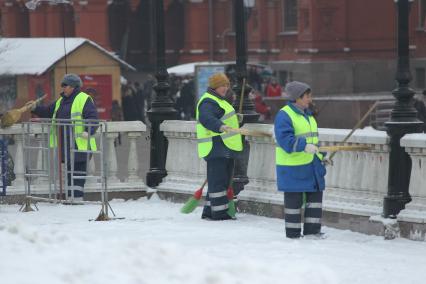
{"x":338,"y":46}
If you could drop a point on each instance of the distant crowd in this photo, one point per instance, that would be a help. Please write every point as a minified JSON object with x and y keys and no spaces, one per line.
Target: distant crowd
{"x":136,"y":97}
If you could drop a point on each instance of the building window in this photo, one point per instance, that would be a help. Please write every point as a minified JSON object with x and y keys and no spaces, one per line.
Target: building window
{"x":422,"y":14}
{"x":420,"y":78}
{"x":290,"y":15}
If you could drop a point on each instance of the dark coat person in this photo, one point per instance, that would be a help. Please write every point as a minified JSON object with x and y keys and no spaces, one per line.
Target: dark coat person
{"x":420,"y":106}
{"x":77,"y":105}
{"x":217,"y":145}
{"x":130,"y":104}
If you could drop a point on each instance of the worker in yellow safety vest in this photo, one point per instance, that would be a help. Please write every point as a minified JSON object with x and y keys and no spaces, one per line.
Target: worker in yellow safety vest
{"x":217,"y":145}
{"x":75,"y":105}
{"x":299,"y":164}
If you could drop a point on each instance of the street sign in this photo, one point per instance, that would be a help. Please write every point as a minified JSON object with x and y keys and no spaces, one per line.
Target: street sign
{"x":202,"y":74}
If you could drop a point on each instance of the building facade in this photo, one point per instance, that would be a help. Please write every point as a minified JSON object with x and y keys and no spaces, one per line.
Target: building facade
{"x":338,"y":46}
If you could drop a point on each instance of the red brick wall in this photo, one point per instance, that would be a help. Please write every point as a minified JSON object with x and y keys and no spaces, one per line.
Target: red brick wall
{"x":327,"y":29}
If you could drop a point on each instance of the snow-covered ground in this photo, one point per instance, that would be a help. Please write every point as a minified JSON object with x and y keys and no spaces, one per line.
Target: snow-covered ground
{"x":157,"y":244}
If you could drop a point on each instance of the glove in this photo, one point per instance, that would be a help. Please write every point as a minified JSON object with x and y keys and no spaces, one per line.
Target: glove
{"x":240,"y":117}
{"x":225,"y":128}
{"x":85,"y":135}
{"x":311,"y":148}
{"x":327,"y":162}
{"x":30,"y":105}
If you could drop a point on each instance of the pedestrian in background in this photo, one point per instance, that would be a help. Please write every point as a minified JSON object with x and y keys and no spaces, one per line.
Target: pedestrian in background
{"x":299,"y":164}
{"x":129,"y":103}
{"x":148,"y":90}
{"x":187,"y":99}
{"x":140,"y":99}
{"x":77,"y":105}
{"x":217,"y":145}
{"x":116,"y":115}
{"x":420,"y":106}
{"x":273,"y":89}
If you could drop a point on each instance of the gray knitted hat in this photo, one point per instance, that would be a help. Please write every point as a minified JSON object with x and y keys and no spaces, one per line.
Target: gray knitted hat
{"x":296,"y":89}
{"x":72,"y":80}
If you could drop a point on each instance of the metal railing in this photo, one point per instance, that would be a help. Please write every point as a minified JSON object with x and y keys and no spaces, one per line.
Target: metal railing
{"x":3,"y":161}
{"x":50,"y":151}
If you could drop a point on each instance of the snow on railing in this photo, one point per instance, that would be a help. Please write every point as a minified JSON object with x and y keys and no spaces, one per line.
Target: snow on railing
{"x":356,"y":183}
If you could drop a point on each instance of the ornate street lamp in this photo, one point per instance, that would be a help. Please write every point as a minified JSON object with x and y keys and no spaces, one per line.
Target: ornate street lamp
{"x":403,"y":120}
{"x":248,"y":110}
{"x":162,"y":107}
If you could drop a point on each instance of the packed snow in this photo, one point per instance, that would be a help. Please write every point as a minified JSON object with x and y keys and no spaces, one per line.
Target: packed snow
{"x":155,"y":243}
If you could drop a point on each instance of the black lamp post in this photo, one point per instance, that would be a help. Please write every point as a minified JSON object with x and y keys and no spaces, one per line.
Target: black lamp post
{"x":162,"y":107}
{"x":403,"y":120}
{"x":248,"y":110}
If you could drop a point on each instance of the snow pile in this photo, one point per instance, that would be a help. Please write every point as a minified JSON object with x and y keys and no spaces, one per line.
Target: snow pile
{"x":157,"y":244}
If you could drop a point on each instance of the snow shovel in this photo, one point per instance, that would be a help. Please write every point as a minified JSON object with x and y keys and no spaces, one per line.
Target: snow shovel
{"x":193,"y":201}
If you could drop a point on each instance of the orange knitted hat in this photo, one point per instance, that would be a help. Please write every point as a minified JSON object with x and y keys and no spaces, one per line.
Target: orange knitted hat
{"x":218,"y":80}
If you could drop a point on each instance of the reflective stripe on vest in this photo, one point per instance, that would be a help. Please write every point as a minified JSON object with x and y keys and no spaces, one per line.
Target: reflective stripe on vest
{"x":302,"y":128}
{"x":231,"y":140}
{"x":79,"y":127}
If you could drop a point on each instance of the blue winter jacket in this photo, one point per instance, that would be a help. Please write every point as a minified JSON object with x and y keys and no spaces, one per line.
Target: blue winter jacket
{"x":305,"y":178}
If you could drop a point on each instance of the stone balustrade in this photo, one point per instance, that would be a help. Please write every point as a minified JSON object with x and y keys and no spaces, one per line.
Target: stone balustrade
{"x":415,"y":146}
{"x":131,"y":182}
{"x":356,"y":183}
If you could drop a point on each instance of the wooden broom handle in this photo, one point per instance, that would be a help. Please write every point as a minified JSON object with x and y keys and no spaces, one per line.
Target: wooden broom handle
{"x":357,"y":125}
{"x":240,"y":109}
{"x":28,"y":107}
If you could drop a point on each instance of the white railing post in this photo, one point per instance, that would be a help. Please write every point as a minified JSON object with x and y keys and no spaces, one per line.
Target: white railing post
{"x":133,"y":164}
{"x":41,"y":158}
{"x":19,"y":162}
{"x":91,"y":170}
{"x":112,"y":167}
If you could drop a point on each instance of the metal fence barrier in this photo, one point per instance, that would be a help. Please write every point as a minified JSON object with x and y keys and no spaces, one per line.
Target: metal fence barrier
{"x":3,"y":164}
{"x":50,"y":155}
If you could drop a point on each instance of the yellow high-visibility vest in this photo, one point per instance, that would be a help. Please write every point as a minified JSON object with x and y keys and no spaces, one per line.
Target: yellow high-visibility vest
{"x":76,"y":115}
{"x":205,"y":136}
{"x":302,"y":128}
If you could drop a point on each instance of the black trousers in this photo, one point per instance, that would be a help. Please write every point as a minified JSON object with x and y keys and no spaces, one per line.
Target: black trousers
{"x":219,"y":175}
{"x":293,"y":202}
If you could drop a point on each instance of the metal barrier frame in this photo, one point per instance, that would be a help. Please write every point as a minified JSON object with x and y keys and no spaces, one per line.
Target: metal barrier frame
{"x":3,"y":160}
{"x":52,"y":167}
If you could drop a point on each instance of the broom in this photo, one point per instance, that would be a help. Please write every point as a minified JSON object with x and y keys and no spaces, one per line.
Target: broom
{"x":250,"y":132}
{"x":344,"y":148}
{"x":14,"y":115}
{"x":193,"y":201}
{"x":231,"y":203}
